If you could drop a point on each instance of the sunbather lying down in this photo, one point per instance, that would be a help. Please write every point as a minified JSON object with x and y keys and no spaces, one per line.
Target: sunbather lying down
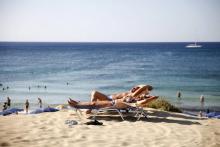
{"x":118,"y":103}
{"x":138,"y":94}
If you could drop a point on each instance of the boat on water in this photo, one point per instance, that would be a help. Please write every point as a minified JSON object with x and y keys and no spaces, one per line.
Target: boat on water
{"x":193,"y":45}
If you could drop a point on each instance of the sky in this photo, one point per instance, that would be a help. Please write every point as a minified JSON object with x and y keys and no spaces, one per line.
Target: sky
{"x":110,"y":20}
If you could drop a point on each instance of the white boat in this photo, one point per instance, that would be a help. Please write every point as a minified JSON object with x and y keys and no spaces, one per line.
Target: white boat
{"x":193,"y":45}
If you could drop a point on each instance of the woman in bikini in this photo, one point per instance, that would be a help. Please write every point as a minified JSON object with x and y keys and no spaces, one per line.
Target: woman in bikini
{"x":139,"y":94}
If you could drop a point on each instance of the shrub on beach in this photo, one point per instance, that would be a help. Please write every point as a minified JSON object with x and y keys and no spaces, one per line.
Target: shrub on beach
{"x":163,"y":105}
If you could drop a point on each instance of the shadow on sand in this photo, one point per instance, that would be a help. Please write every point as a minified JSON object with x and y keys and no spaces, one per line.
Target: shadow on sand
{"x":154,"y":116}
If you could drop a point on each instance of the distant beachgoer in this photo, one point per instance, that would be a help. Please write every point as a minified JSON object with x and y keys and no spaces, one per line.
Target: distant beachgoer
{"x":3,"y":88}
{"x":26,"y":106}
{"x":45,"y":87}
{"x":202,"y":101}
{"x":200,"y":114}
{"x":8,"y":102}
{"x":5,"y":106}
{"x":29,"y":88}
{"x":40,"y":102}
{"x":67,"y":83}
{"x":178,"y":94}
{"x":207,"y":111}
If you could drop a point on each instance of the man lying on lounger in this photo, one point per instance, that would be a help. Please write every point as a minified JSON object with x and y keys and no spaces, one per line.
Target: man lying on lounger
{"x":138,"y":94}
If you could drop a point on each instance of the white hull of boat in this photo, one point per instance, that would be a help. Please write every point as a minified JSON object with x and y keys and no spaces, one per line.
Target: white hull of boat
{"x":193,"y":46}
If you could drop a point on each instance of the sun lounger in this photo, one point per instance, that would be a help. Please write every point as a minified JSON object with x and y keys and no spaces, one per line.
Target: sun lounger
{"x":97,"y":110}
{"x":138,"y":109}
{"x":132,"y":107}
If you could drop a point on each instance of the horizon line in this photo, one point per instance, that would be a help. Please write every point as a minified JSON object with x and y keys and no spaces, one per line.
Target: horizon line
{"x":109,"y":41}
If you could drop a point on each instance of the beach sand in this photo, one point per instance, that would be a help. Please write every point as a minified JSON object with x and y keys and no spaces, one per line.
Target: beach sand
{"x":160,"y":129}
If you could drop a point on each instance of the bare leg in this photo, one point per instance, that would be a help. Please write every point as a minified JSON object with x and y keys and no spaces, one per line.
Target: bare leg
{"x":139,"y":91}
{"x":151,"y":98}
{"x":99,"y":104}
{"x":98,"y":96}
{"x":119,"y":103}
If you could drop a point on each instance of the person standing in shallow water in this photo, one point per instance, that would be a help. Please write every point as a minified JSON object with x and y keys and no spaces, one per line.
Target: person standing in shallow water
{"x":40,"y":102}
{"x":5,"y":106}
{"x":178,"y":94}
{"x":27,"y":106}
{"x":8,"y":102}
{"x":202,"y":100}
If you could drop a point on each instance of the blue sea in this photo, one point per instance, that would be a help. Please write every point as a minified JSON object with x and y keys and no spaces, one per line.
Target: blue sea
{"x":57,"y":71}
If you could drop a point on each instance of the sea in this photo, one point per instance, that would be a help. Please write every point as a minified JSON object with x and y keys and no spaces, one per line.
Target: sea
{"x":55,"y":71}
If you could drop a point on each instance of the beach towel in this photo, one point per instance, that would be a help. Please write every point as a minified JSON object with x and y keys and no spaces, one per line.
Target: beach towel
{"x":41,"y":110}
{"x":50,"y":109}
{"x":11,"y":111}
{"x":213,"y":115}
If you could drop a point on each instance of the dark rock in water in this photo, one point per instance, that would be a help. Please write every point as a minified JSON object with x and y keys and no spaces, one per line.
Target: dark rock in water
{"x":1,"y":84}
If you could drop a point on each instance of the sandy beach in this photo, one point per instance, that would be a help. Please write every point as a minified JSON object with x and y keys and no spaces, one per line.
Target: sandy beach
{"x":160,"y":129}
{"x":159,"y":56}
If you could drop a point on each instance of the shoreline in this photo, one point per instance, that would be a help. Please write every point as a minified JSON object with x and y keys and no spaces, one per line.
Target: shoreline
{"x":198,"y":109}
{"x":187,"y":108}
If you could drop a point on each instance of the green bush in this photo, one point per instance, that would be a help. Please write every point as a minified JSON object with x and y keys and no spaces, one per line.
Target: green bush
{"x":163,"y":105}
